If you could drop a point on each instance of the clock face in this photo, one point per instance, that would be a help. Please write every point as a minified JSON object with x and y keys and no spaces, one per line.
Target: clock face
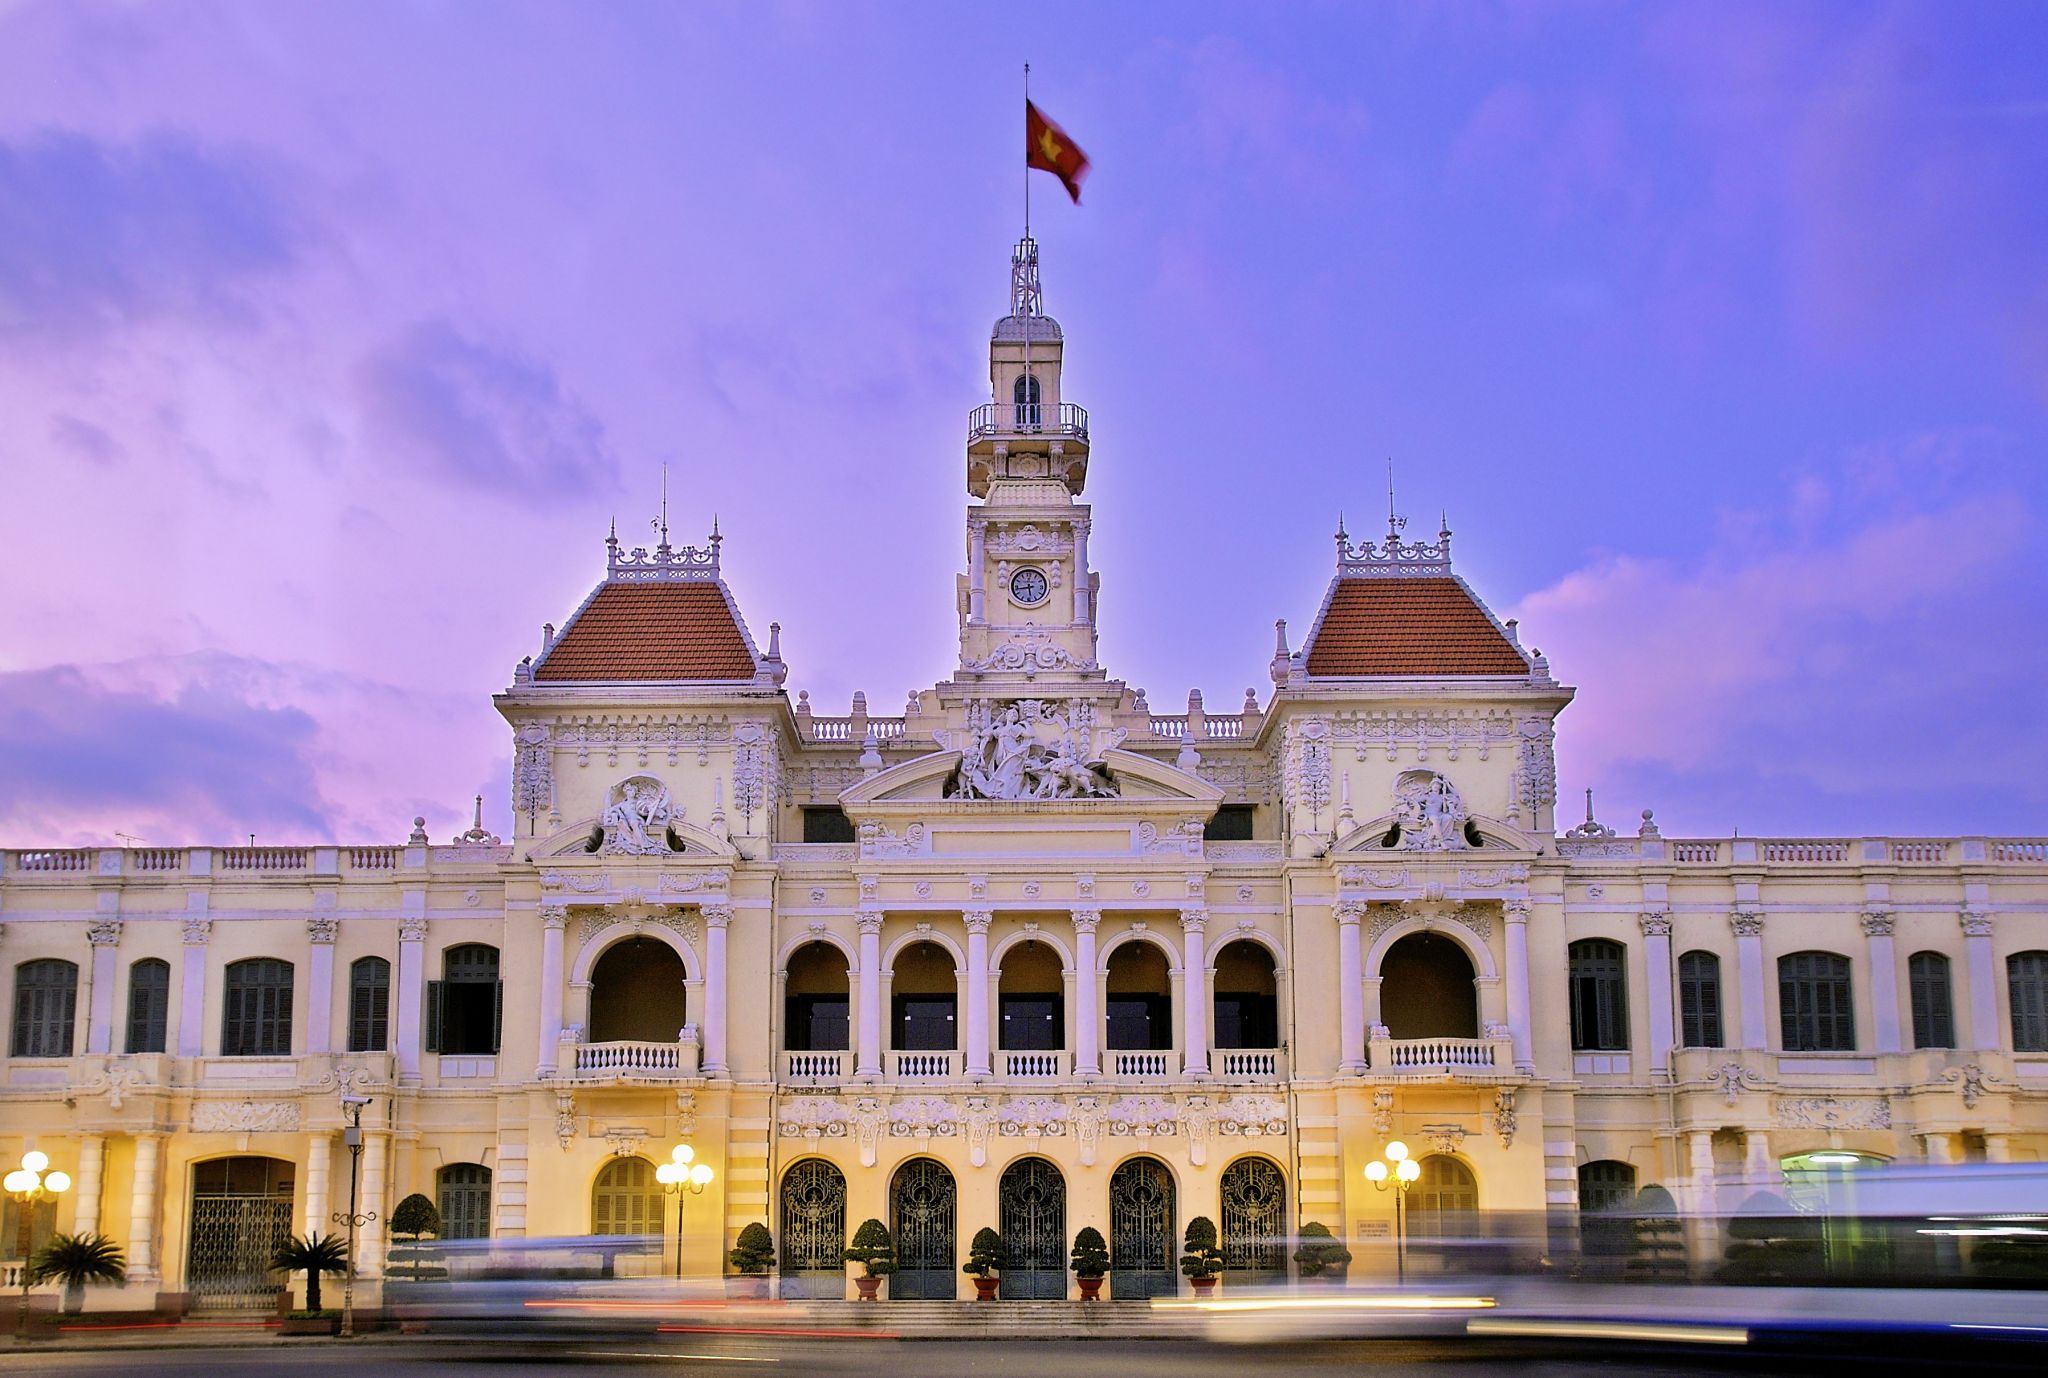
{"x":1028,"y":586}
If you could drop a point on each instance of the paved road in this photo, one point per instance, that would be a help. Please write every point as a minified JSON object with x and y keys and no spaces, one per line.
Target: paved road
{"x":702,"y":1355}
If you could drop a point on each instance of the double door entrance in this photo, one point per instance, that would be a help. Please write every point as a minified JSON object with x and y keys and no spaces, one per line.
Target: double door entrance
{"x":241,"y":1213}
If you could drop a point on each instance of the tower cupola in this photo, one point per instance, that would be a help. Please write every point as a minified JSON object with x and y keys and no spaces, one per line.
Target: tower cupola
{"x":1025,"y":430}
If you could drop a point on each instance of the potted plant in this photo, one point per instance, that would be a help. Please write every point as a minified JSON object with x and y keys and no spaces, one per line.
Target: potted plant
{"x":875,"y":1252}
{"x":987,"y":1256}
{"x":1090,"y":1261}
{"x":1200,"y":1259}
{"x":314,"y":1255}
{"x":1321,"y":1254}
{"x":75,"y":1260}
{"x":751,"y":1257}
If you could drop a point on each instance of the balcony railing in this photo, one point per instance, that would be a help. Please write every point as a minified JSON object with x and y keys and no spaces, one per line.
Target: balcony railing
{"x":627,"y":1059}
{"x":924,"y":1066}
{"x":1030,"y":1066}
{"x":1248,"y":1064}
{"x":1438,"y":1054}
{"x":1031,"y":418}
{"x":1125,"y":1063}
{"x":814,"y":1066}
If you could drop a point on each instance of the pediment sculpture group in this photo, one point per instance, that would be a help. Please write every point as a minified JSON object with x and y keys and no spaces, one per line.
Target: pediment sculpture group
{"x":1031,"y":749}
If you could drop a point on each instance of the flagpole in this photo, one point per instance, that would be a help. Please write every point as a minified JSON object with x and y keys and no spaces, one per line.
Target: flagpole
{"x":1023,"y":303}
{"x":1027,"y":154}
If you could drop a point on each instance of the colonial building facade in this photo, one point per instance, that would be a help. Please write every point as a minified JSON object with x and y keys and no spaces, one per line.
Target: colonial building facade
{"x":1031,"y":953}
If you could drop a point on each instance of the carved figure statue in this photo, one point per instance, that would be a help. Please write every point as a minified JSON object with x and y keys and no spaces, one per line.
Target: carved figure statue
{"x":1032,"y":750}
{"x":1431,"y":813}
{"x":636,"y":821}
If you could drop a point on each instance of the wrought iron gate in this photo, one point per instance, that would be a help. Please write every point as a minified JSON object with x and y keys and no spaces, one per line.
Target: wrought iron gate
{"x":814,"y":1230}
{"x":922,"y":1202}
{"x":233,"y":1239}
{"x":1034,"y":1227}
{"x":1254,"y":1221}
{"x":1141,"y":1231}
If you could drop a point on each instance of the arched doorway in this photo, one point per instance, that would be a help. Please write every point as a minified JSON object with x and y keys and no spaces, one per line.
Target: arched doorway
{"x":1254,"y":1233}
{"x":921,"y":1202}
{"x":1426,"y":989}
{"x":1141,"y":1239}
{"x":1033,"y":1221}
{"x":1443,"y":1206}
{"x":1607,"y":1193}
{"x":636,"y":994}
{"x":813,"y":1231}
{"x":241,"y":1213}
{"x":626,"y":1200}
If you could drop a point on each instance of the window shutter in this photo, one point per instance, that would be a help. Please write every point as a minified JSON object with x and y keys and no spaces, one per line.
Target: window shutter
{"x":497,"y":1015}
{"x":434,"y":1004}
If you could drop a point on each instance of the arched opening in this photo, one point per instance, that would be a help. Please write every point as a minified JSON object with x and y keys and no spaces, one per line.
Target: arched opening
{"x":1254,"y":1232}
{"x":1030,"y":1000}
{"x":1247,"y":1005}
{"x":1141,"y":1237}
{"x":1033,"y":1221}
{"x":921,"y":1207}
{"x":1443,"y":1206}
{"x":1426,"y":989}
{"x":626,"y":1200}
{"x":1607,"y":1191}
{"x":464,"y":1190}
{"x":1139,"y":998}
{"x":1024,"y":393}
{"x":813,"y":1231}
{"x":637,"y":994}
{"x":923,"y":997}
{"x":466,"y":1007}
{"x":816,"y":1000}
{"x":241,"y":1213}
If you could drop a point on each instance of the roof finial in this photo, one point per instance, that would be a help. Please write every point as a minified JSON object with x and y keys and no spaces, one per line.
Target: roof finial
{"x":661,"y":522}
{"x":1394,"y":523}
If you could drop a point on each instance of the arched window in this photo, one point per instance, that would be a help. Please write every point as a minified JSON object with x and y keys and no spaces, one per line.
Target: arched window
{"x":465,"y":1008}
{"x":1607,"y":1189}
{"x":1030,"y":1000}
{"x":256,"y":1019}
{"x":1599,"y":986}
{"x":1699,"y":1000}
{"x":2026,"y":975}
{"x":465,"y":1205}
{"x":45,"y":1005}
{"x":1934,"y":1021}
{"x":1444,"y":1202}
{"x":626,"y":1199}
{"x":1026,"y":395}
{"x":1138,"y":1006}
{"x":1813,"y":1003}
{"x":369,"y":1005}
{"x":149,"y":1004}
{"x":1247,"y":1007}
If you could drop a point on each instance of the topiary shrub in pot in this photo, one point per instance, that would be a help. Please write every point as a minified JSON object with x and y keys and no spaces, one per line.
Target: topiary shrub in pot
{"x":753,"y":1254}
{"x":987,"y":1256}
{"x":1090,"y":1262}
{"x":416,"y":1219}
{"x":1200,"y":1259}
{"x":1320,"y":1254}
{"x":875,"y":1252}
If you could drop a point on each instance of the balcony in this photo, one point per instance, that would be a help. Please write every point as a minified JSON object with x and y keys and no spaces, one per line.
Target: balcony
{"x":629,"y":1060}
{"x":816,"y":1067}
{"x":924,"y":1066}
{"x":992,"y":419}
{"x":1453,"y":1057}
{"x":1040,"y":1066}
{"x":1247,"y":1064}
{"x":1134,"y":1065}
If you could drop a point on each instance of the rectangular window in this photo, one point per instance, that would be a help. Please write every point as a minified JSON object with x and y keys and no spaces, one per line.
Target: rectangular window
{"x":1699,"y":1000}
{"x":466,"y":1008}
{"x":925,"y":1024}
{"x":1140,"y":1022}
{"x":1934,"y":1023}
{"x":828,"y":825}
{"x":149,"y":1005}
{"x":1232,"y":823}
{"x":2026,"y":975}
{"x":369,"y":1005}
{"x":257,"y":1018}
{"x":817,"y":1023}
{"x":1599,"y":996}
{"x":1032,"y":1023}
{"x":45,"y":1007}
{"x":1814,"y":1010}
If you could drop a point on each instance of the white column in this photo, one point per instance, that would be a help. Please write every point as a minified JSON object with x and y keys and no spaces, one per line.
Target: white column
{"x":978,"y":921}
{"x":1350,"y":987}
{"x":1701,"y":1143}
{"x":320,"y":986}
{"x":142,"y":1208}
{"x":192,"y":990}
{"x":1884,"y":980}
{"x":1757,"y":1162}
{"x":412,"y":943}
{"x":553,"y":919}
{"x":319,"y":1161}
{"x":370,"y":1239}
{"x":1749,"y":966}
{"x":1984,"y":1032}
{"x":1997,"y":1148}
{"x":977,"y":593}
{"x":99,"y":1033}
{"x":870,"y":1041}
{"x":716,"y":919}
{"x":1516,"y":911}
{"x":1084,"y":611}
{"x":1194,"y":928}
{"x":92,"y":1151}
{"x":1087,"y":987}
{"x":1657,"y":963}
{"x":1939,"y":1148}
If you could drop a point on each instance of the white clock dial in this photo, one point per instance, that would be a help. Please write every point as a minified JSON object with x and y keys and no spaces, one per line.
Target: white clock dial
{"x":1028,"y":587}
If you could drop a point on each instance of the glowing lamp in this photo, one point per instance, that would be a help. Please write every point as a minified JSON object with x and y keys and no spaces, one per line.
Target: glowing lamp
{"x":1376,"y":1171}
{"x":683,"y":1153}
{"x":1396,"y":1151}
{"x":21,"y":1179}
{"x":1408,"y":1170}
{"x":35,"y":1160}
{"x":666,"y":1173}
{"x":699,"y":1175}
{"x":57,"y":1181}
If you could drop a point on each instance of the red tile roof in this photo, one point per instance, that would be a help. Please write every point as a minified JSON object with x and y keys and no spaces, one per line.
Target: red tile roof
{"x":1408,"y":627}
{"x":656,"y":631}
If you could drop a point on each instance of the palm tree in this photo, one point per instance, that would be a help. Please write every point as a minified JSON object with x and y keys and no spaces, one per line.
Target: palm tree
{"x":315,"y":1254}
{"x":75,"y":1260}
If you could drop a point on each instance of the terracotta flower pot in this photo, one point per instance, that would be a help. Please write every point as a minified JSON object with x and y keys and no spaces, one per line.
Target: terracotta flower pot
{"x":1091,"y":1288}
{"x":868,"y":1286}
{"x":985,"y":1287}
{"x":1204,"y":1286}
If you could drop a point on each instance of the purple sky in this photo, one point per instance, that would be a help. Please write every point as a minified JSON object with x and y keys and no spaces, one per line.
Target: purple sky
{"x":331,"y":337}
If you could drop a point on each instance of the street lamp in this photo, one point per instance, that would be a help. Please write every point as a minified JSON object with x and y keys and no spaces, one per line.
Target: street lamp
{"x":1396,"y":1172}
{"x":352,"y":1139}
{"x":677,"y":1176}
{"x":28,"y":1184}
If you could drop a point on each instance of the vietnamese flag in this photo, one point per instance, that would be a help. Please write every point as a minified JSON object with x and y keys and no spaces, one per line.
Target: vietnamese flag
{"x":1047,"y":148}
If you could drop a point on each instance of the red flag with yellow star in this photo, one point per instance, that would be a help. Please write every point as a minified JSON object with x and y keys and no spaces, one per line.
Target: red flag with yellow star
{"x":1047,"y":148}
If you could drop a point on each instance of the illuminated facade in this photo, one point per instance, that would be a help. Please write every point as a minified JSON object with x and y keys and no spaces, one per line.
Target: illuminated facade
{"x":1032,"y":954}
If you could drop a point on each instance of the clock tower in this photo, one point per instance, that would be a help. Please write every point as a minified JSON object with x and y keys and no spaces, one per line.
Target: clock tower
{"x":1027,"y":601}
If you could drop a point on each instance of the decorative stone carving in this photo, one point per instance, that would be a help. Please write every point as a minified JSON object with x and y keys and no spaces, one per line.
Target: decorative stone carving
{"x":716,"y":915}
{"x":1504,"y":1115}
{"x":1535,"y":768}
{"x":322,"y":930}
{"x":1747,"y":923}
{"x":1252,"y":1117}
{"x":1086,"y":920}
{"x":923,"y":889}
{"x":922,"y":1117}
{"x":1199,"y":1118}
{"x":1031,"y":650}
{"x":1032,"y":1116}
{"x":811,"y":1117}
{"x":1194,"y":920}
{"x":1032,"y":889}
{"x":1972,"y":1080}
{"x":116,"y":1081}
{"x":636,"y":818}
{"x":1087,"y":1128}
{"x":565,"y":1117}
{"x":107,"y":932}
{"x":1032,"y":749}
{"x":878,"y":841}
{"x":1424,"y":732}
{"x":686,"y":1113}
{"x":1976,"y":924}
{"x":533,"y":771}
{"x":1143,"y":1116}
{"x":197,"y":931}
{"x":554,"y":916}
{"x":245,"y":1117}
{"x":1445,"y":1138}
{"x":867,"y":1129}
{"x":978,"y":920}
{"x":1656,"y":924}
{"x":1877,"y":923}
{"x":1383,"y":1110}
{"x":754,"y":769}
{"x":1735,"y":1079}
{"x":1834,"y":1112}
{"x":1430,"y":811}
{"x":1516,"y":909}
{"x":979,"y":1118}
{"x":1141,"y":887}
{"x":869,"y":922}
{"x":1307,"y":779}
